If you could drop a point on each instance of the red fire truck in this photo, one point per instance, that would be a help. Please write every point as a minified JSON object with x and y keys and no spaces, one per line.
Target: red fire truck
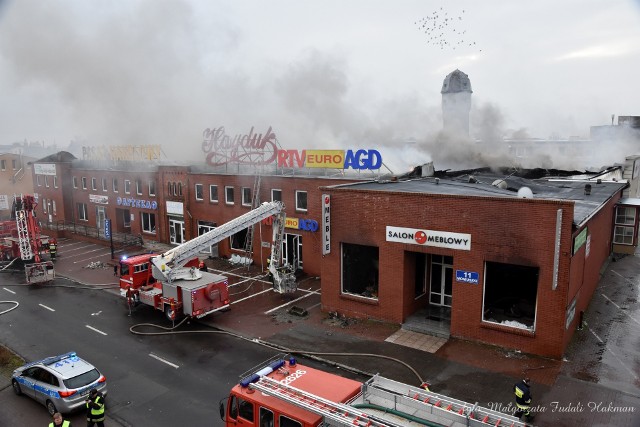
{"x":20,"y":240}
{"x":173,"y":283}
{"x":284,"y":393}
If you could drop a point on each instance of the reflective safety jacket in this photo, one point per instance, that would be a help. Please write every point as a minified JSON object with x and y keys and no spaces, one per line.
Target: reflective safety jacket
{"x":65,"y":423}
{"x":95,"y":408}
{"x":523,"y":394}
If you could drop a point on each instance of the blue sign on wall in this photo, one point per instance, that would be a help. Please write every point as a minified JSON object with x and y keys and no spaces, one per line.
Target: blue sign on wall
{"x":467,"y":277}
{"x":107,"y":228}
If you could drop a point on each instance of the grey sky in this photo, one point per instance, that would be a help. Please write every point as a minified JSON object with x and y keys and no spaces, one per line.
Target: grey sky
{"x":322,"y":73}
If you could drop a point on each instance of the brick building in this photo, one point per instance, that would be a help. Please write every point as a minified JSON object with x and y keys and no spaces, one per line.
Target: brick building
{"x":508,"y":261}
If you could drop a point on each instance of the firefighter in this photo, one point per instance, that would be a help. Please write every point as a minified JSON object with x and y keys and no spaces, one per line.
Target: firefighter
{"x":522,"y":391}
{"x":53,"y":248}
{"x":95,"y":409}
{"x":58,"y":421}
{"x":202,"y":266}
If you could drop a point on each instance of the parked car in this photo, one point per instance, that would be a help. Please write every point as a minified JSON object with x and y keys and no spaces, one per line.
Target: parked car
{"x":61,"y":383}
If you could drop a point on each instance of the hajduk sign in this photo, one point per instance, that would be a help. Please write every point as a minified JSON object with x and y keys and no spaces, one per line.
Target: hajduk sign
{"x":440,"y":239}
{"x":256,"y":149}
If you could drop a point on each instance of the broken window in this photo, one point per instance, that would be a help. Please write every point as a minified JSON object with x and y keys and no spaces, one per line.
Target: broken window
{"x":360,"y":270}
{"x":510,"y":294}
{"x":238,"y":239}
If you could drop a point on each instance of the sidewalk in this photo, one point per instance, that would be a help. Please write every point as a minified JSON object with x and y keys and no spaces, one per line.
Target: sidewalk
{"x":463,"y":370}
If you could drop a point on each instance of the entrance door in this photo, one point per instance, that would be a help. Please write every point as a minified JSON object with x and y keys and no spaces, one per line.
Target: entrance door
{"x":292,"y":250}
{"x":441,"y":280}
{"x":176,"y":231}
{"x":100,"y":216}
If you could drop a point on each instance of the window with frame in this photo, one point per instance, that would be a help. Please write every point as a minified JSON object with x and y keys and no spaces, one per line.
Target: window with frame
{"x":75,"y":182}
{"x":624,"y":228}
{"x":228,"y":195}
{"x":46,"y":181}
{"x":360,"y":270}
{"x":3,"y":164}
{"x":152,"y":188}
{"x":266,"y":417}
{"x":179,"y":189}
{"x":104,"y":184}
{"x":213,"y":193}
{"x":138,"y":187}
{"x":170,"y":188}
{"x":199,"y":192}
{"x":301,"y":200}
{"x":55,"y":182}
{"x":246,"y":196}
{"x":38,"y":183}
{"x":53,"y":207}
{"x":94,"y":184}
{"x":276,"y":195}
{"x":115,"y":185}
{"x":127,"y":186}
{"x":148,"y":222}
{"x":44,"y":205}
{"x":82,"y":212}
{"x":84,"y":182}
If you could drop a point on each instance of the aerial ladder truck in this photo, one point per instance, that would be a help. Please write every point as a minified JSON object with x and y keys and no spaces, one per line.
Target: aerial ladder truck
{"x":26,"y":242}
{"x":172,"y":282}
{"x":301,"y":396}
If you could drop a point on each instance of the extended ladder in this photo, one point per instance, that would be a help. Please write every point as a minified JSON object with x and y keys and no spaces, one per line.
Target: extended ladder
{"x":340,"y":413}
{"x":433,"y":406}
{"x":181,"y":254}
{"x":248,"y":243}
{"x":26,"y":250}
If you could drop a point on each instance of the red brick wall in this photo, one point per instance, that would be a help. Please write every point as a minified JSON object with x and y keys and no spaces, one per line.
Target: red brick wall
{"x":516,"y":231}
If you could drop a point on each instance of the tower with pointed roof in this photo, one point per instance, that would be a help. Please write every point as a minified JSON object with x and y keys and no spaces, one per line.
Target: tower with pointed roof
{"x":456,"y":102}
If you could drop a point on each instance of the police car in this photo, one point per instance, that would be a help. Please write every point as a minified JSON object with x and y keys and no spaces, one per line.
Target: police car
{"x":61,"y":383}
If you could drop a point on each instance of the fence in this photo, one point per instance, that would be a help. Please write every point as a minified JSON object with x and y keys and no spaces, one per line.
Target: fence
{"x":120,"y":240}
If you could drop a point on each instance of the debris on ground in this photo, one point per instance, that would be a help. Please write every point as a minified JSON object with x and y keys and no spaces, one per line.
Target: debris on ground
{"x":97,"y":264}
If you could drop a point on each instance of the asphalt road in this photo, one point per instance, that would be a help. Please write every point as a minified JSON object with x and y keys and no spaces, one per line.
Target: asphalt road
{"x":163,"y":380}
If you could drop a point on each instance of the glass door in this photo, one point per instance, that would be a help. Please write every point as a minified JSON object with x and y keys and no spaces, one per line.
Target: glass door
{"x":441,"y":280}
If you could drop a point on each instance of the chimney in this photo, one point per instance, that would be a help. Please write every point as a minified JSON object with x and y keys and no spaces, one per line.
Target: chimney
{"x":587,"y":190}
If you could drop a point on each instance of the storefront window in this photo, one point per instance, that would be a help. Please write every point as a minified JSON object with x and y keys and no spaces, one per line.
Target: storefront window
{"x":360,"y":270}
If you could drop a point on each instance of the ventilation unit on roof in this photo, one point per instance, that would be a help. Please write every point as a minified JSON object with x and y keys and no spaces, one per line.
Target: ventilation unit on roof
{"x":525,"y":193}
{"x":500,"y":183}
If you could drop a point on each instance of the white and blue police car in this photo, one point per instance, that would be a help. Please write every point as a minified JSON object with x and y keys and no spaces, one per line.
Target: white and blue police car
{"x":61,"y":383}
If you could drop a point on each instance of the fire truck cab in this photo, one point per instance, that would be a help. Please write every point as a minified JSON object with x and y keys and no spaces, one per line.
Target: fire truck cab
{"x":246,"y":406}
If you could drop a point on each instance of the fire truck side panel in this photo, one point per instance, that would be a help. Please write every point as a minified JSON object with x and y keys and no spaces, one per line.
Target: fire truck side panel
{"x":323,"y":384}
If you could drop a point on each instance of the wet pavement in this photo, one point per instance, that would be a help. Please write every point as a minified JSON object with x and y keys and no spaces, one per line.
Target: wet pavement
{"x":596,"y":384}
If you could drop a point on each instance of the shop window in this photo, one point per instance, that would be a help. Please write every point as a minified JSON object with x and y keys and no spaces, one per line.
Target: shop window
{"x":276,"y":195}
{"x":75,"y":182}
{"x":360,"y":270}
{"x":246,"y":196}
{"x":510,"y":295}
{"x":82,"y":212}
{"x":104,"y":184}
{"x":55,"y":182}
{"x":115,"y":185}
{"x":301,"y":201}
{"x":46,"y":181}
{"x":152,"y":188}
{"x":138,"y":187}
{"x":84,"y":182}
{"x":213,"y":193}
{"x":148,"y":222}
{"x":38,"y":183}
{"x":238,"y":239}
{"x":199,"y":192}
{"x":127,"y":186}
{"x":94,"y":185}
{"x":228,"y":195}
{"x":624,"y":229}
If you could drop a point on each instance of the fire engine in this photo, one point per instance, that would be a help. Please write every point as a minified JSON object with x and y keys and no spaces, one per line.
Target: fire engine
{"x":21,"y":239}
{"x":284,"y":393}
{"x":173,"y":283}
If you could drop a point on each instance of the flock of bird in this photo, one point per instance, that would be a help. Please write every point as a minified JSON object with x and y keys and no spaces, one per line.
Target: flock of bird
{"x":446,"y":31}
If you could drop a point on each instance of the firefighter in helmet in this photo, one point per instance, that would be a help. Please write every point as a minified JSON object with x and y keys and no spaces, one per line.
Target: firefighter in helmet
{"x":522,"y":391}
{"x":53,"y":249}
